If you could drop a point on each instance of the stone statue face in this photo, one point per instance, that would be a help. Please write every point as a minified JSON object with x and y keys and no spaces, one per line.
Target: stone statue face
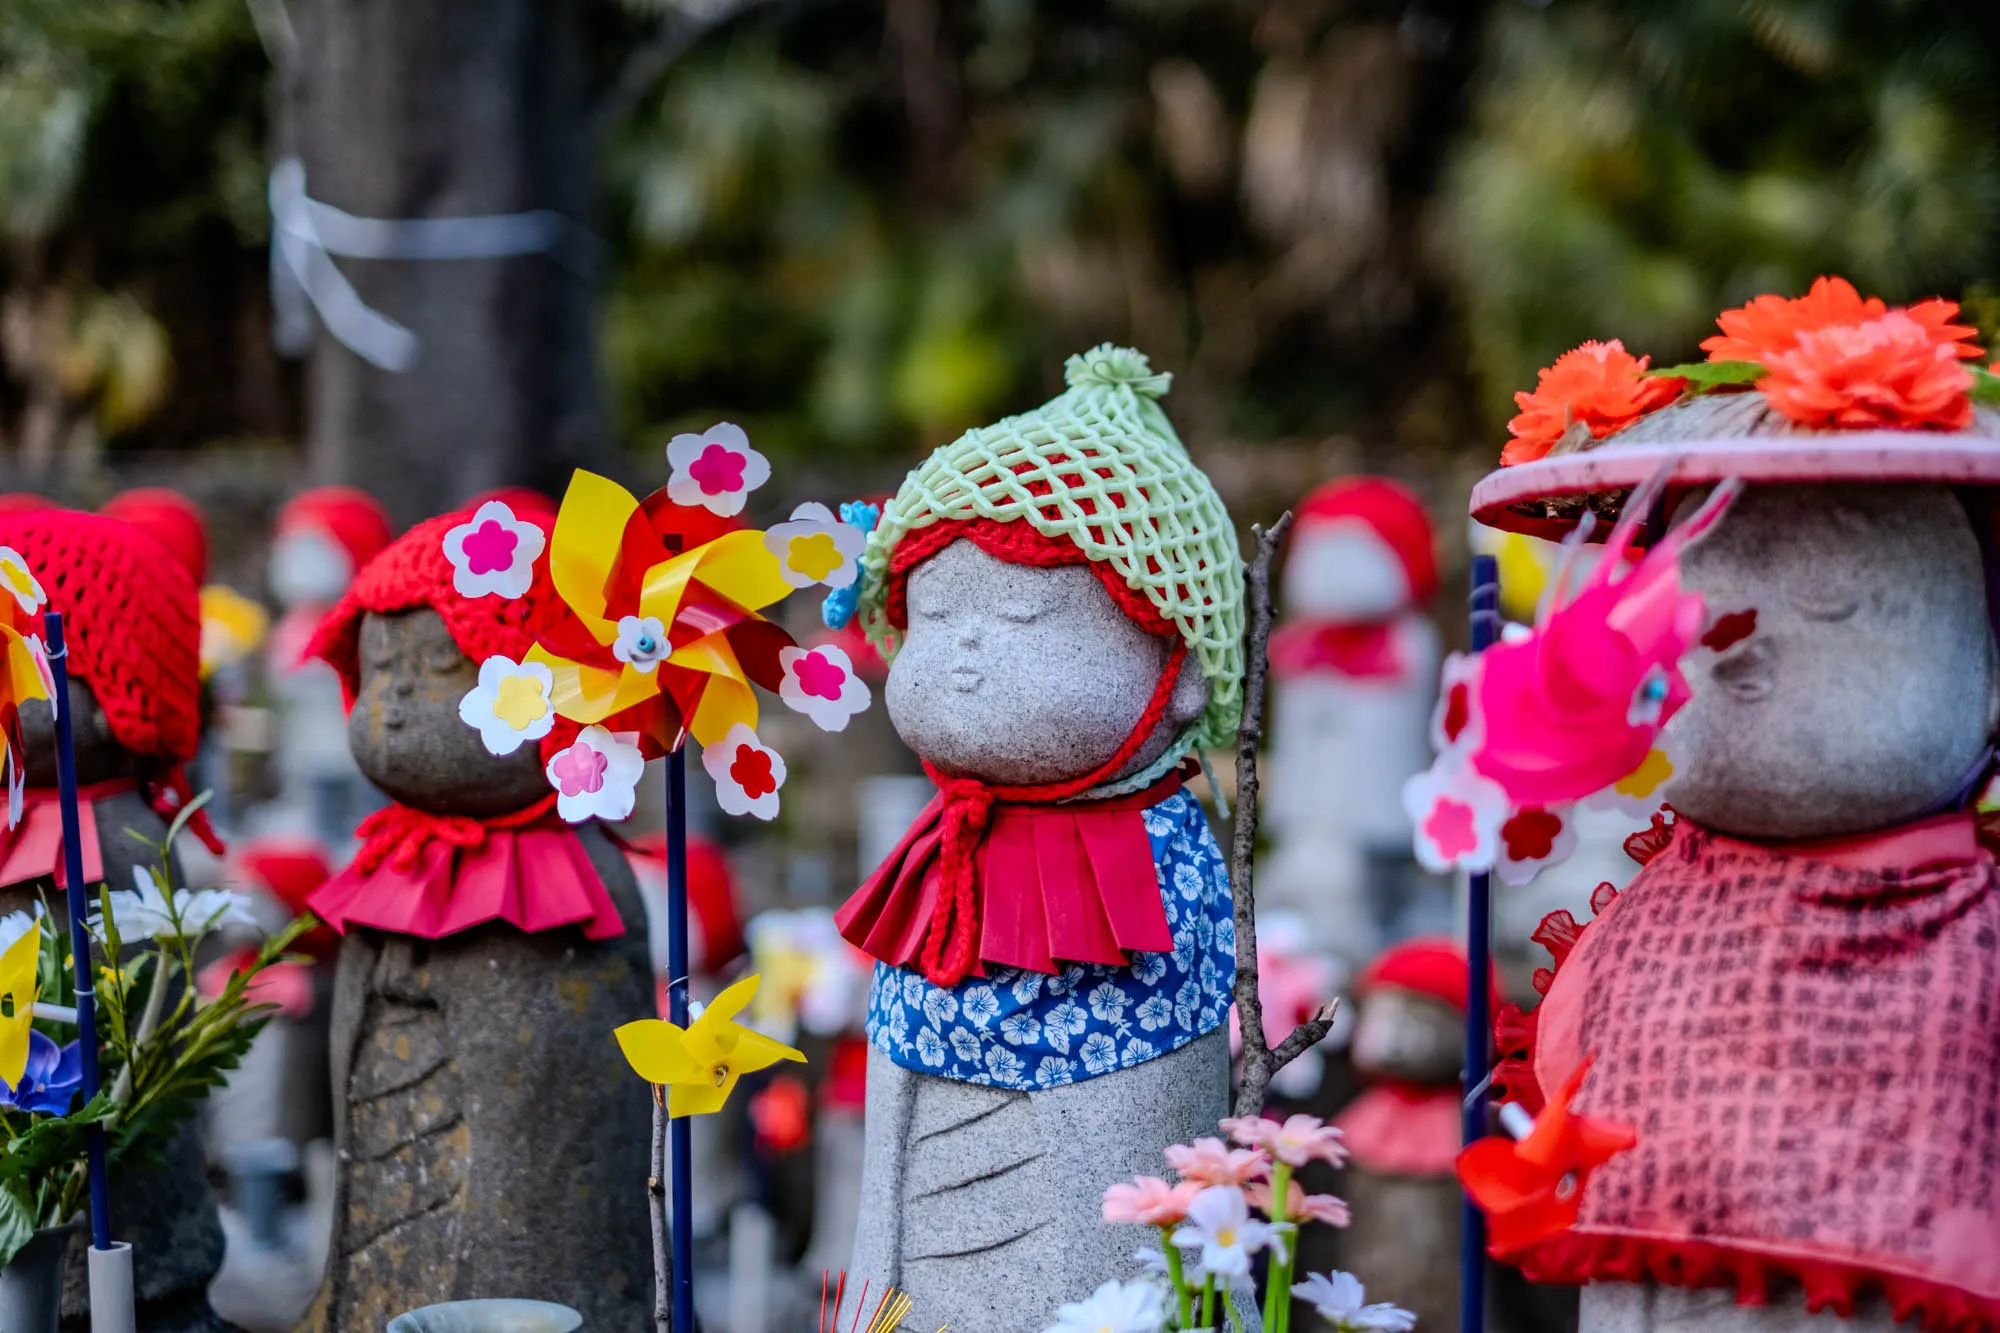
{"x":1342,"y":571}
{"x":1408,"y":1036}
{"x":405,"y":730}
{"x":1018,"y":674}
{"x":99,"y":756}
{"x":1862,"y":690}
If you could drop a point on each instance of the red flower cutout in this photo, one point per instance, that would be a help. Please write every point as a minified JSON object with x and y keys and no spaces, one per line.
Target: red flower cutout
{"x":1599,"y":384}
{"x":1531,"y":834}
{"x":1730,"y":630}
{"x":751,"y":770}
{"x":1457,"y":711}
{"x":1533,"y":1189}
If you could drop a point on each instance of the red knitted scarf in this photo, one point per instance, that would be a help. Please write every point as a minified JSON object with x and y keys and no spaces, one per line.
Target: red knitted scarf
{"x":398,"y":834}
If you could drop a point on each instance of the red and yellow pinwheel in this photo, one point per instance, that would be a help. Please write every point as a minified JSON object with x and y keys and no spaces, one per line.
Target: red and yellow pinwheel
{"x":24,"y":664}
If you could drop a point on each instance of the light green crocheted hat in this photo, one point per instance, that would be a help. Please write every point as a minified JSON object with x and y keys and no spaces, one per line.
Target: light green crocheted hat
{"x":1138,"y":503}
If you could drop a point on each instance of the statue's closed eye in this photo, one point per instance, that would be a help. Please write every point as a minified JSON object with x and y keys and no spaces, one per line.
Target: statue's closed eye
{"x":1830,"y":605}
{"x":1021,"y":613}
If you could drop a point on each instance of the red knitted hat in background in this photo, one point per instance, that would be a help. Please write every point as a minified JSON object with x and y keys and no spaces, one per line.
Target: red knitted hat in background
{"x":1017,"y":543}
{"x":413,"y":572}
{"x":1434,"y":967}
{"x":169,"y":518}
{"x":1393,"y":511}
{"x":131,"y":619}
{"x":520,"y":499}
{"x":352,"y":518}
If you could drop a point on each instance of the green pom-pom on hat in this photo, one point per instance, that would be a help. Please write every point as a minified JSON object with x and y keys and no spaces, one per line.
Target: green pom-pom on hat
{"x":1099,"y":466}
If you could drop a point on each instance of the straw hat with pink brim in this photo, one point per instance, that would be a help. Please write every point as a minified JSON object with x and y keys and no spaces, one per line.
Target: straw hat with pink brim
{"x":1726,"y":425}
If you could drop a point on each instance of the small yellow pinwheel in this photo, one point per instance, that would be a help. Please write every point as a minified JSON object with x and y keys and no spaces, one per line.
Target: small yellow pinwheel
{"x":699,"y":1066}
{"x":18,"y":992}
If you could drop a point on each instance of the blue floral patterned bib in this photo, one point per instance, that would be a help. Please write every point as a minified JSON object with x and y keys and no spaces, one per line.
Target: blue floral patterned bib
{"x":1028,"y":1030}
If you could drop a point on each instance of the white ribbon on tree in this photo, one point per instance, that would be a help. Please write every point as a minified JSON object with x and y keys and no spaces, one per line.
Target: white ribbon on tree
{"x":306,"y":235}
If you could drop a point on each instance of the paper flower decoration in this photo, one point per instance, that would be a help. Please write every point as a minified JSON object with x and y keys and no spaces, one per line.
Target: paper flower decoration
{"x":1534,"y":838}
{"x":641,"y":643}
{"x":816,"y":547}
{"x":841,"y":603}
{"x":1541,"y":721}
{"x":24,"y":664}
{"x":20,"y":950}
{"x":823,"y":684}
{"x":493,"y":553}
{"x":510,"y":705}
{"x":1533,"y":1189}
{"x":596,"y":777}
{"x":1599,"y":386}
{"x":747,"y":773}
{"x":699,"y":1065}
{"x":716,"y":469}
{"x":232,"y":627}
{"x":146,"y":910}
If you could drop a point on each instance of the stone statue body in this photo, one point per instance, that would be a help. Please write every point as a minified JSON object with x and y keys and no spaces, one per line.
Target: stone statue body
{"x":491,"y":1141}
{"x":1863,"y":699}
{"x":982,"y":1201}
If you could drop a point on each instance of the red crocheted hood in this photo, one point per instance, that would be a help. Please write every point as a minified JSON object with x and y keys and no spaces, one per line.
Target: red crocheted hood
{"x":413,"y":572}
{"x":169,"y":518}
{"x":1395,"y":514}
{"x":132,"y":620}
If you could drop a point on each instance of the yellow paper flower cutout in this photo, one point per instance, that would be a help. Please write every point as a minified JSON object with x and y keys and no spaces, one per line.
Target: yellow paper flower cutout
{"x":814,"y":556}
{"x":699,"y":1065}
{"x":1651,"y":774}
{"x":520,"y":701}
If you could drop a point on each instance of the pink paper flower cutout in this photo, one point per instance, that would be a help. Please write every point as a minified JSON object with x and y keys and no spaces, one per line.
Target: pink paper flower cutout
{"x":747,"y":773}
{"x":822,"y":683}
{"x":596,"y":776}
{"x":494,"y":553}
{"x":715,"y":470}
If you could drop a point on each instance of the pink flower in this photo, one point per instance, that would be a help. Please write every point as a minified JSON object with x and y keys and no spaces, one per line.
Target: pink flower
{"x":1150,"y":1201}
{"x":718,"y":471}
{"x":822,"y":683}
{"x":820,"y":678}
{"x":1300,"y":1139}
{"x":577,"y":770}
{"x":1212,"y":1162}
{"x":1299,"y":1205}
{"x":1451,"y":827}
{"x":490,"y":548}
{"x":493,"y":553}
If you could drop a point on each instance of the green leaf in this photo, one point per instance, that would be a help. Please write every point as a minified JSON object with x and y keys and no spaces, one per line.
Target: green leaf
{"x":17,"y":1226}
{"x":1985,"y":387}
{"x":1708,"y":376}
{"x":53,"y":1142}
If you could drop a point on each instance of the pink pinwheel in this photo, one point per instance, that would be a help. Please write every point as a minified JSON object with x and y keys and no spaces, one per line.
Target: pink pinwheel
{"x":1571,"y":708}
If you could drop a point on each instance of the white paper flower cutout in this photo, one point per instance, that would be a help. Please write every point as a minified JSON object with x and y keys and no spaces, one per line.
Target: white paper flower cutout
{"x":716,"y":469}
{"x":1457,"y":815}
{"x":823,"y":684}
{"x":1642,"y":792}
{"x":642,"y":643}
{"x":510,"y":704}
{"x":597,"y":777}
{"x":816,"y":547}
{"x":747,"y":773}
{"x":39,"y":651}
{"x":20,"y":581}
{"x":494,"y":553}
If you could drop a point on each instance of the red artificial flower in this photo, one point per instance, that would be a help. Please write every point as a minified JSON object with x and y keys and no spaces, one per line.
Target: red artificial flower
{"x":1599,"y":384}
{"x":1892,"y":371}
{"x":1772,"y":325}
{"x":1533,"y":1189}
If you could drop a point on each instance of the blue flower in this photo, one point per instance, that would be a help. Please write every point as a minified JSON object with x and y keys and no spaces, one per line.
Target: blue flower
{"x":940,"y":1007}
{"x":930,"y":1048}
{"x":1004,"y":1065}
{"x":980,"y":1006}
{"x":1225,"y":936}
{"x":1099,"y":1053}
{"x":1155,"y":1012}
{"x":50,"y":1082}
{"x":1071,"y":977}
{"x":1149,"y":967}
{"x":1054,"y":1072}
{"x":965,"y":1044}
{"x":1020,"y":1028}
{"x":1108,"y":1002}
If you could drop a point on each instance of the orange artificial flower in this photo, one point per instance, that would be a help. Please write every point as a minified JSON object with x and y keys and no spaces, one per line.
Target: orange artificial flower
{"x":1894,"y":371}
{"x":1600,"y":384}
{"x":1770,"y":325}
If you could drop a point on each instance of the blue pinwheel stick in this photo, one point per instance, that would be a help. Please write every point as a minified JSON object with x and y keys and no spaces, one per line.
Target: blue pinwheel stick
{"x":78,"y":896}
{"x":1478,"y":1022}
{"x":680,"y":1144}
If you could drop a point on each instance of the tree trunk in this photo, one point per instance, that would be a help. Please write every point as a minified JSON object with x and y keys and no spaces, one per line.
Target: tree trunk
{"x":452,"y":108}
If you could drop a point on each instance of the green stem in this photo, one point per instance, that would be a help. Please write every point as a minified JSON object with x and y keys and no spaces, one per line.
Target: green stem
{"x":1179,"y":1275}
{"x":149,"y":1022}
{"x":1278,"y":1295}
{"x":1208,"y":1302}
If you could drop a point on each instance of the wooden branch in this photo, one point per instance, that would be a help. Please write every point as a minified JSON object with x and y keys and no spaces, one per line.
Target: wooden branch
{"x":656,"y":1206}
{"x":1259,"y":1062}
